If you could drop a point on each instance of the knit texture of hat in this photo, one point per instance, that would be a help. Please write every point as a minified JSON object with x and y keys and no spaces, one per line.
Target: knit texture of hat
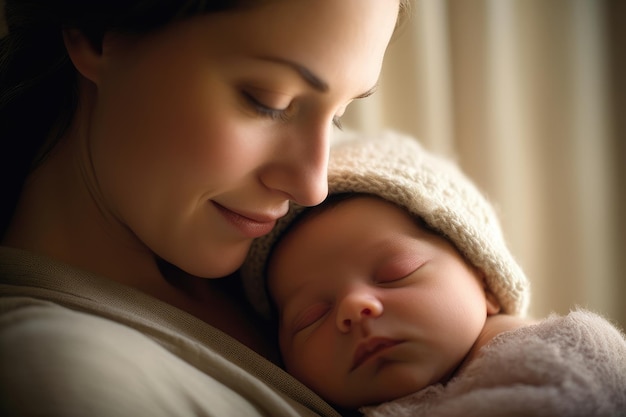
{"x":398,"y":169}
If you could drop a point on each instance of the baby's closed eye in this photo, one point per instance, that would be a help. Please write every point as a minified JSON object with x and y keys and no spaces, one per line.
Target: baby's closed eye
{"x":309,"y":316}
{"x":396,"y":269}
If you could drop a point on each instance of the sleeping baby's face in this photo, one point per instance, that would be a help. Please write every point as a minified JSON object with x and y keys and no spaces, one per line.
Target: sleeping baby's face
{"x":372,"y":306}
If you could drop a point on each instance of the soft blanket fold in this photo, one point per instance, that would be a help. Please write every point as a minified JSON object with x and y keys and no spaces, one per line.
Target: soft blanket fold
{"x":564,"y":366}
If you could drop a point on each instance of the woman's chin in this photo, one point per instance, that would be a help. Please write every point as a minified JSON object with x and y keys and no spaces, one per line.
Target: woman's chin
{"x":220,"y":264}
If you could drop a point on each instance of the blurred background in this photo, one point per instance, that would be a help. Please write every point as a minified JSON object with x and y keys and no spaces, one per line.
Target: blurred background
{"x":529,"y":96}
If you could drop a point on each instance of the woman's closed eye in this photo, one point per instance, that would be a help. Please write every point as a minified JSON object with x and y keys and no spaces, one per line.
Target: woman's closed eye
{"x":281,"y":109}
{"x":276,"y":111}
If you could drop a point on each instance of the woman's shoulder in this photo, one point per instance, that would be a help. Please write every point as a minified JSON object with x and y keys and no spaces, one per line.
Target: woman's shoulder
{"x":79,"y":343}
{"x":57,"y":361}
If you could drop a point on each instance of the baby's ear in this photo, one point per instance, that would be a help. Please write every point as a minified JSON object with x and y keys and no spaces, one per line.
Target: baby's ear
{"x":493,"y":305}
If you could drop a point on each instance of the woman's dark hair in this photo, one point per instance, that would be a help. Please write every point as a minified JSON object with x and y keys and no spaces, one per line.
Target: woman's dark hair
{"x":38,"y":92}
{"x":38,"y":83}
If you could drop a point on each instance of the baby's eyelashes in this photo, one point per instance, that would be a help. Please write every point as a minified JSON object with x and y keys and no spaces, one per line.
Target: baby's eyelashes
{"x":396,"y":270}
{"x":309,"y":316}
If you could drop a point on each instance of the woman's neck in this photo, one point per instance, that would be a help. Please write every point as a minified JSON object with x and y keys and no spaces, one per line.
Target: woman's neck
{"x":57,"y":217}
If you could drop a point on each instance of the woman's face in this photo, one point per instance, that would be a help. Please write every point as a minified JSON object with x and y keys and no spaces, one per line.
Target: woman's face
{"x":373,"y":307}
{"x":199,"y":134}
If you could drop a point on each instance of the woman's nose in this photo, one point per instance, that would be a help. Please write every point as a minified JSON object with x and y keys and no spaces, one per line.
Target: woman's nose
{"x":356,"y":307}
{"x":300,"y":167}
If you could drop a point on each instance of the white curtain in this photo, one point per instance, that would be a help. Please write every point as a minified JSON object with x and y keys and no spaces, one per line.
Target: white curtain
{"x":525,"y":95}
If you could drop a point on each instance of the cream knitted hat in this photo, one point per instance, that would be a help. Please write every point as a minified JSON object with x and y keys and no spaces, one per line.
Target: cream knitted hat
{"x":398,"y":169}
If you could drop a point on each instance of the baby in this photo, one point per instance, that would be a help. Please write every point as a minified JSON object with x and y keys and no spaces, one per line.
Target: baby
{"x":399,"y":290}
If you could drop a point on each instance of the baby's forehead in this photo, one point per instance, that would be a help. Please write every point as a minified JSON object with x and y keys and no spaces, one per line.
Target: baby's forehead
{"x":335,"y":201}
{"x":353,"y":230}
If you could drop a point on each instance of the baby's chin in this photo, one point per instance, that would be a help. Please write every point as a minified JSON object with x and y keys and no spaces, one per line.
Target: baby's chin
{"x":377,"y":392}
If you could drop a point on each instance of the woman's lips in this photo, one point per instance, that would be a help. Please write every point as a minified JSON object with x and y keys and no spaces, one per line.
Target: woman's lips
{"x":369,"y":348}
{"x":248,"y":227}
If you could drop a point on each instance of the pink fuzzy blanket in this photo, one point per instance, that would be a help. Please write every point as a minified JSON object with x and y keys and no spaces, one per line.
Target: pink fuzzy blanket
{"x":564,"y":366}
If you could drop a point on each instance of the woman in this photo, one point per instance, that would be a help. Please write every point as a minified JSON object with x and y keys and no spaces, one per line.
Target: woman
{"x":145,"y":146}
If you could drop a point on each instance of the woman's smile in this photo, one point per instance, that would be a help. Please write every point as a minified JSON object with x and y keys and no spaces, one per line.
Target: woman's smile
{"x":250,"y":227}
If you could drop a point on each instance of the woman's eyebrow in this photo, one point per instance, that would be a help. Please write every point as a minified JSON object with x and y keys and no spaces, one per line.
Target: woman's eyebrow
{"x":310,"y":78}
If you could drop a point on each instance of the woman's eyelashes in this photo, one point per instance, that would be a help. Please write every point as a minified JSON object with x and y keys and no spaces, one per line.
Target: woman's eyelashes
{"x":265,"y":110}
{"x":337,"y":122}
{"x":281,"y":113}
